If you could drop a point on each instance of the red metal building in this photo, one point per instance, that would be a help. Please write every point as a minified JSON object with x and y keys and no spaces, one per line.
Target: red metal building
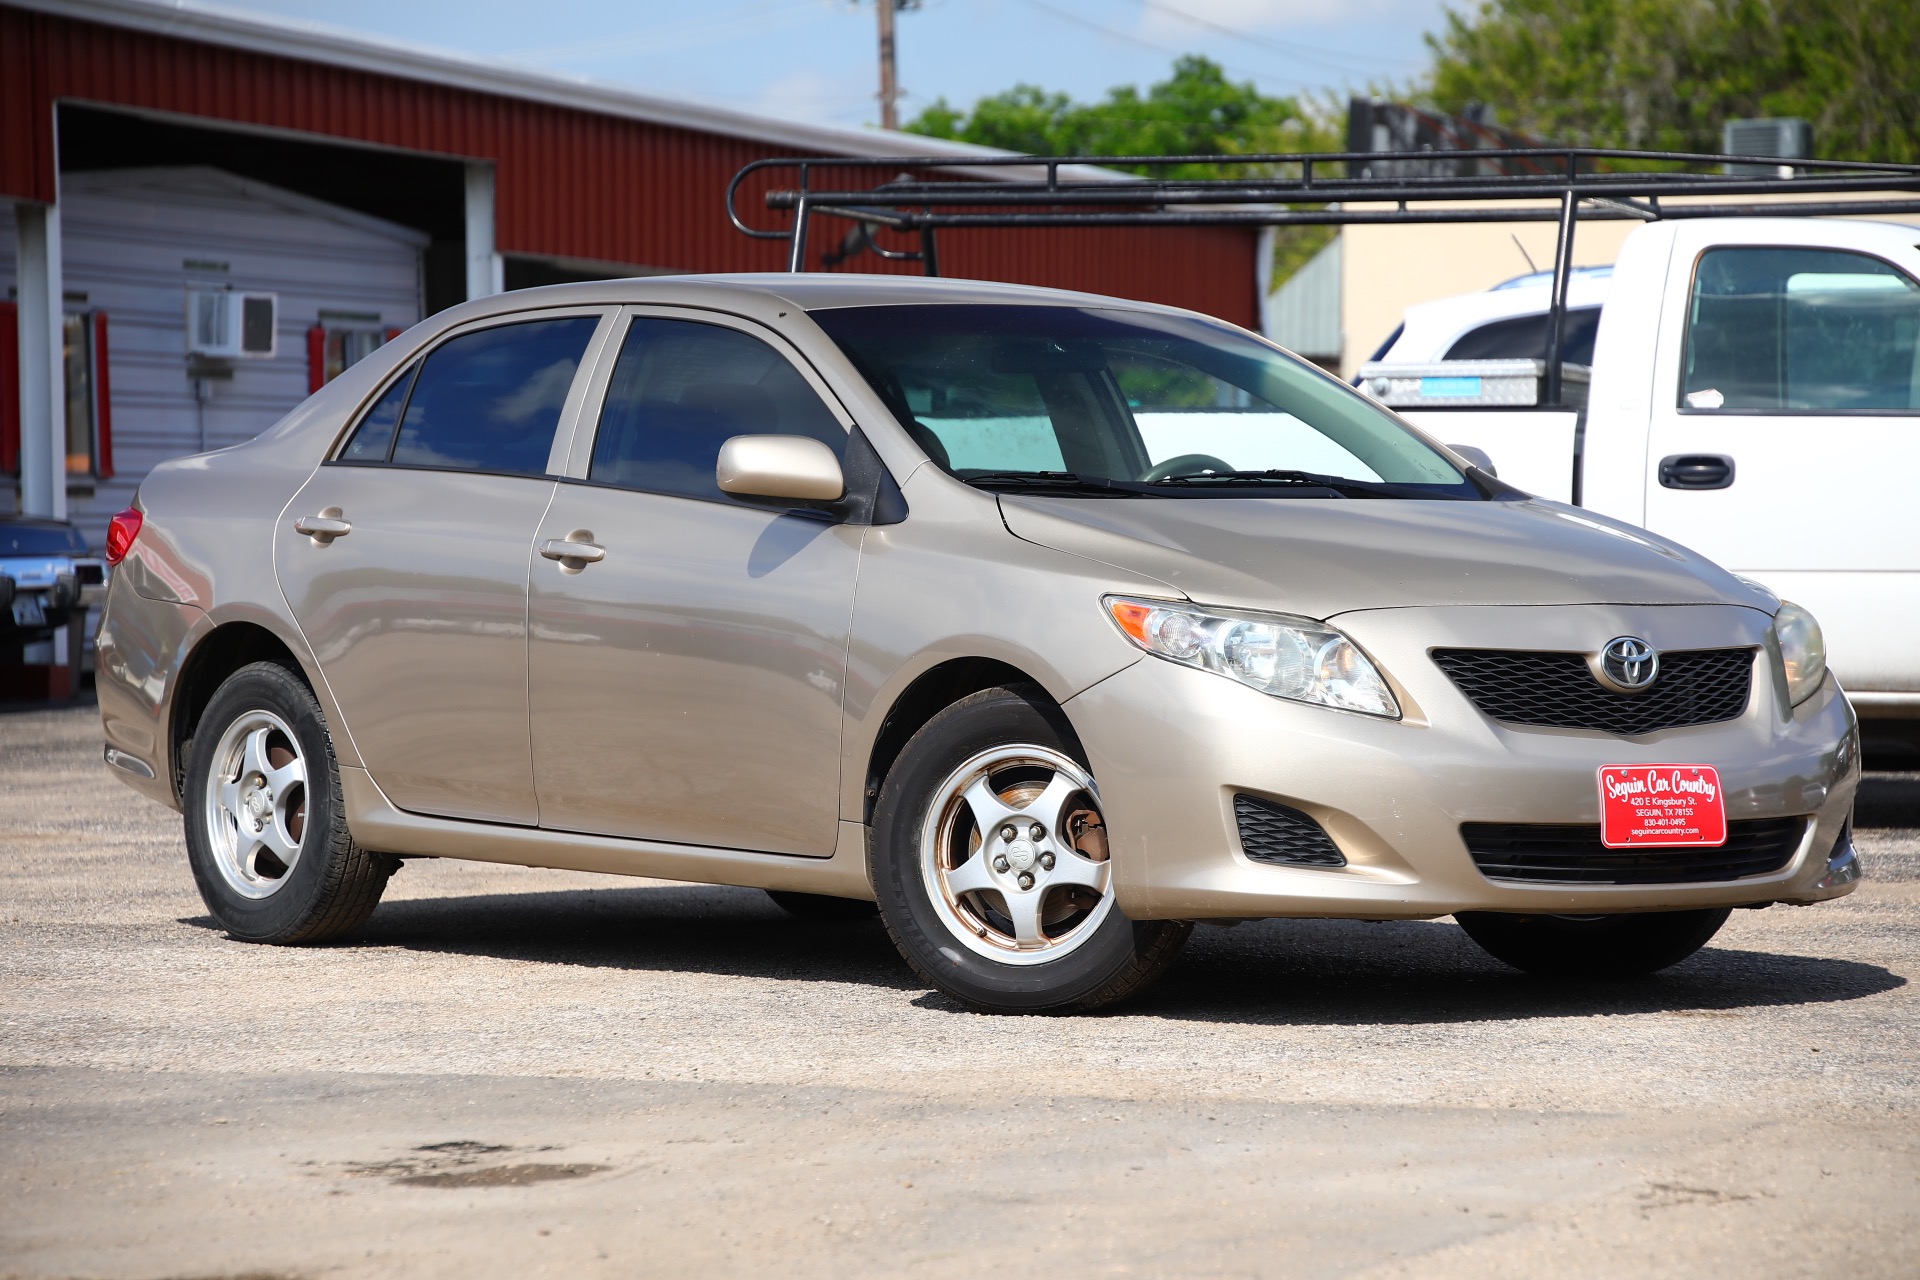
{"x":513,"y":178}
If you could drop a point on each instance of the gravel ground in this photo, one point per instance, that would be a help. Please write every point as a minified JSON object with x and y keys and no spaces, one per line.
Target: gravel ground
{"x":516,"y":1072}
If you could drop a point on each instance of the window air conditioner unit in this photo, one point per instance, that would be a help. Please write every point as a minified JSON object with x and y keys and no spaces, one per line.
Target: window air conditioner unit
{"x":232,"y":326}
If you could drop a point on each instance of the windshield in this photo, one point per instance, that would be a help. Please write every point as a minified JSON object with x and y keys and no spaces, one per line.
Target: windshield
{"x":1090,"y":400}
{"x":40,"y":540}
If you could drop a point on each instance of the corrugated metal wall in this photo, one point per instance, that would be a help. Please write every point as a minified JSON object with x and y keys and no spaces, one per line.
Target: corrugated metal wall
{"x":1303,"y":315}
{"x":129,"y":238}
{"x":570,"y":183}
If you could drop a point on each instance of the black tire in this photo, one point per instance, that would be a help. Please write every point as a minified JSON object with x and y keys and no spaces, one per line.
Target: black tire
{"x":819,"y":906}
{"x":333,"y":884}
{"x":1118,"y":959}
{"x":1623,"y":946}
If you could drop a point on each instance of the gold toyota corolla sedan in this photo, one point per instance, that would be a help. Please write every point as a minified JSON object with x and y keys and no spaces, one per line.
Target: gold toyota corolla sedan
{"x":1050,"y":623}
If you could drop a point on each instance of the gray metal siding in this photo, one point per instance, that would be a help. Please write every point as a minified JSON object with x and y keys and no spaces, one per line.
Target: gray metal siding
{"x":1303,"y":315}
{"x":127,"y":236}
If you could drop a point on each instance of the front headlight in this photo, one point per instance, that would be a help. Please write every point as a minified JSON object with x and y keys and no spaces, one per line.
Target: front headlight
{"x":1803,"y":651}
{"x":1295,"y":658}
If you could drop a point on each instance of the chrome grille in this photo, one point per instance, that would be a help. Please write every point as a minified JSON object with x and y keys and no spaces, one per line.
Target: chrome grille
{"x":1558,"y":691}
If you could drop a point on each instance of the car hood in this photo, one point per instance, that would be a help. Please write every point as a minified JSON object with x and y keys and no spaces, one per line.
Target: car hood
{"x":1321,"y":557}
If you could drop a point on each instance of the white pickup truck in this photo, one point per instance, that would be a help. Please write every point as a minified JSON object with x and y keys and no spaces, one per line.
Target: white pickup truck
{"x":1754,"y":394}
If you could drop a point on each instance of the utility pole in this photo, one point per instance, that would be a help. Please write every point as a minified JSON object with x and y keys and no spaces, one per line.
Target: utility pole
{"x":889,"y":85}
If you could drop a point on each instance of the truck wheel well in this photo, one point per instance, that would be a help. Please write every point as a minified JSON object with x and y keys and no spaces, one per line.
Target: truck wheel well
{"x":931,"y":693}
{"x":225,"y":650}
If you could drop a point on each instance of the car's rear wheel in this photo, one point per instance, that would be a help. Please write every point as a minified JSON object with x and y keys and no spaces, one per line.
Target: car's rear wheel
{"x":1623,"y":946}
{"x":990,"y":863}
{"x":266,"y":827}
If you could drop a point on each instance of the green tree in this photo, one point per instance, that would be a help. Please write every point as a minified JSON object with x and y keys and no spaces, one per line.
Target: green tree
{"x":1666,"y":74}
{"x":1195,"y":111}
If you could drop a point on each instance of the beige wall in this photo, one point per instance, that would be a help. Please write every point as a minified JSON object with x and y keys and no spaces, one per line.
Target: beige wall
{"x":1386,"y":268}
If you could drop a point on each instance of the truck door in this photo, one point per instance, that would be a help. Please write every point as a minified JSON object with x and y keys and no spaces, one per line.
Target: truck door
{"x":1785,"y":428}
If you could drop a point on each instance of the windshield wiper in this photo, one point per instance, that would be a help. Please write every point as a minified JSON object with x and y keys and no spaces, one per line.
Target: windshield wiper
{"x":1057,"y":481}
{"x":1339,"y":484}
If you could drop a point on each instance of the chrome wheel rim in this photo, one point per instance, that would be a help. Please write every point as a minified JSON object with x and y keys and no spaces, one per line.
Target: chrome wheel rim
{"x":256,"y":804}
{"x":1014,"y":855}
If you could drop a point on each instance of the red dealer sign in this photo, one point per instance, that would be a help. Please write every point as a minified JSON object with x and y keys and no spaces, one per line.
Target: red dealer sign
{"x":1666,"y":804}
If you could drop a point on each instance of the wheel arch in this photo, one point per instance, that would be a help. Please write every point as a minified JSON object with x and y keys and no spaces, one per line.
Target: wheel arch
{"x":226,"y":648}
{"x":926,"y":696}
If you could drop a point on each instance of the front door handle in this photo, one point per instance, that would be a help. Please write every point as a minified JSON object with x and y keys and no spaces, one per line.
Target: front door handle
{"x":574,"y":552}
{"x":1696,"y":471}
{"x":325,"y":527}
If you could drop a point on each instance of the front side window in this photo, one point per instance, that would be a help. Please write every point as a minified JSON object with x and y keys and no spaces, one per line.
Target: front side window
{"x":1114,"y":401}
{"x":1801,"y":330}
{"x":681,"y":389}
{"x":489,"y":401}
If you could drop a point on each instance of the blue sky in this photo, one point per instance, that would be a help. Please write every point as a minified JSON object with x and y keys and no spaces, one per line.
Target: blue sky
{"x":814,"y":59}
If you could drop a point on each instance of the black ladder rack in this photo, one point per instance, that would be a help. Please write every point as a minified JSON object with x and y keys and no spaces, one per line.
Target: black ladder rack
{"x":1575,"y":183}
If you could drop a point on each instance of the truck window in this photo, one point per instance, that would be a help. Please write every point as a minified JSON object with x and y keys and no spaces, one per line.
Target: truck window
{"x":1525,"y":338}
{"x":1801,"y":330}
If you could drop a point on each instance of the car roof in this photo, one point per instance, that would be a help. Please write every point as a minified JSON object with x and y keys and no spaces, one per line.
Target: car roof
{"x":1432,"y":327}
{"x":808,"y":291}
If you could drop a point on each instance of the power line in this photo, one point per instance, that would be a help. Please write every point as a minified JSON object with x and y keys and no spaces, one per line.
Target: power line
{"x":1128,"y":37}
{"x":1329,"y":58}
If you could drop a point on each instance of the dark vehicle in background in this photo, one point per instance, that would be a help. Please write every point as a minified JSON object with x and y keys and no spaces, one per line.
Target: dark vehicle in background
{"x":47,"y":575}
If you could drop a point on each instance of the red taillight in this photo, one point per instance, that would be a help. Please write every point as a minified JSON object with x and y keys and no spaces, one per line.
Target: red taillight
{"x":121,"y":531}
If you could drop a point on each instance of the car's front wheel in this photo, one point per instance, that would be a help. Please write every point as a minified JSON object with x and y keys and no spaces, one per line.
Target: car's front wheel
{"x":1623,"y":946}
{"x":991,"y":867}
{"x":266,"y":827}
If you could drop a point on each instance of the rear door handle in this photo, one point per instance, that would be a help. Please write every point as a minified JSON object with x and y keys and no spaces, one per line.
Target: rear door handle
{"x":325,"y":527}
{"x":1696,"y":471}
{"x":574,"y":551}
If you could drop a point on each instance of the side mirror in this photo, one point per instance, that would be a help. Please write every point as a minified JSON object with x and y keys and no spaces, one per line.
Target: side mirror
{"x":1478,"y":457}
{"x":791,"y":468}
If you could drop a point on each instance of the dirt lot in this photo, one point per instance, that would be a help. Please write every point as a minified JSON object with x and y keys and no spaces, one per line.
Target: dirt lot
{"x":527,"y":1072}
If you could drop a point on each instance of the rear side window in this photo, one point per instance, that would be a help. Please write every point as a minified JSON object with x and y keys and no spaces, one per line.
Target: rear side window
{"x":681,"y":389}
{"x":484,"y":401}
{"x":373,"y":438}
{"x":1807,"y":330}
{"x":1525,"y":338}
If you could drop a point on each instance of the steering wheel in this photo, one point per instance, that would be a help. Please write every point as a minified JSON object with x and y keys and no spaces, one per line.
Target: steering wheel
{"x":1185,"y":463}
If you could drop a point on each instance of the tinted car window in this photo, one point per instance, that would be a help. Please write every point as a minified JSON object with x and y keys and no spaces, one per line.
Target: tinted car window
{"x":373,"y":438}
{"x":490,"y":400}
{"x":1525,"y":338}
{"x":681,"y":389}
{"x":1805,"y":329}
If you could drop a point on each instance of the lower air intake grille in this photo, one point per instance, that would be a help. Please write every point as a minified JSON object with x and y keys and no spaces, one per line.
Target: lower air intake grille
{"x":1282,"y":837}
{"x":1556,"y":690}
{"x":1574,"y":855}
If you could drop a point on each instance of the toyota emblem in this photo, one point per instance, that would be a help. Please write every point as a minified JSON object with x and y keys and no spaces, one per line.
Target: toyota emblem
{"x":1628,"y":664}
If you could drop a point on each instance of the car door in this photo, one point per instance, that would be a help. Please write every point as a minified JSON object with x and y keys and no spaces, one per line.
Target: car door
{"x":1785,"y":433}
{"x":404,"y":560}
{"x":686,"y":683}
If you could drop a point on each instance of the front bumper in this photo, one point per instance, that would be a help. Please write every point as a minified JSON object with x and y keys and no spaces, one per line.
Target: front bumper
{"x":1171,"y":746}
